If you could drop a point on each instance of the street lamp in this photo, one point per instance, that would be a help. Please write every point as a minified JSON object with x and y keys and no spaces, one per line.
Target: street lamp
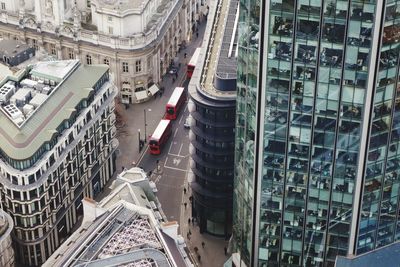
{"x":145,"y":125}
{"x":139,"y":140}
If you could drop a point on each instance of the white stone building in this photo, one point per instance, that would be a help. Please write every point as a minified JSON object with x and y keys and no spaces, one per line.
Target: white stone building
{"x":57,"y":146}
{"x":6,"y":249}
{"x":138,"y":39}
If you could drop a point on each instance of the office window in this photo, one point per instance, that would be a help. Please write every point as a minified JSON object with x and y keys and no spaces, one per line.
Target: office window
{"x":106,"y":61}
{"x":34,"y":43}
{"x":125,"y":67}
{"x":71,"y":53}
{"x":89,"y":59}
{"x":138,"y":65}
{"x":53,"y":49}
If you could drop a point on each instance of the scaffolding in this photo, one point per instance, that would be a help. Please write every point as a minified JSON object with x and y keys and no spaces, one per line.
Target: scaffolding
{"x":135,"y":235}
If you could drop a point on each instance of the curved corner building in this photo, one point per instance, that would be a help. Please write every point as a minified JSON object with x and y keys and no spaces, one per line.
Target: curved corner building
{"x":57,"y":146}
{"x":6,"y":249}
{"x":212,"y":108}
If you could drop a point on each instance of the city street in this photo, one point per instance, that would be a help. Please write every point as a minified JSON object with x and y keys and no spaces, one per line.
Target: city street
{"x":173,"y":162}
{"x":142,"y":119}
{"x":171,"y":179}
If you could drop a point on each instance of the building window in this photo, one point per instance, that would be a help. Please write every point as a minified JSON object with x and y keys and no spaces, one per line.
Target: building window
{"x":106,"y":61}
{"x":109,"y":18}
{"x":53,"y":49}
{"x":35,"y":44}
{"x":110,"y":30}
{"x":3,"y":6}
{"x":88,"y":3}
{"x":125,"y":67}
{"x":71,"y":53}
{"x":89,"y":59}
{"x":138,"y":65}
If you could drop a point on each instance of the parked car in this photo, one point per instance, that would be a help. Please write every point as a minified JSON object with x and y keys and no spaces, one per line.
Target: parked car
{"x":186,"y":124}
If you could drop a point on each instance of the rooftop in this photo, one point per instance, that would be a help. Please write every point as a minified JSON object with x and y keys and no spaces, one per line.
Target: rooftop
{"x":12,"y":47}
{"x":217,"y":68}
{"x":122,"y":230}
{"x":36,"y":100}
{"x":382,"y":257}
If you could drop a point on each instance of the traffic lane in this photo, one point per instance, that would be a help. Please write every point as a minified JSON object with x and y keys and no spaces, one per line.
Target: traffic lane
{"x":174,"y":161}
{"x":170,"y":190}
{"x":174,"y":166}
{"x":180,"y":135}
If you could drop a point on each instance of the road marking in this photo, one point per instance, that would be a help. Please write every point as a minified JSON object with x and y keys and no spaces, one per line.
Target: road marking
{"x":166,"y":159}
{"x":179,"y":156}
{"x":180,"y":120}
{"x":157,"y":179}
{"x":176,"y":130}
{"x":141,"y":157}
{"x":180,"y":149}
{"x":170,"y":146}
{"x":176,"y":161}
{"x":177,"y":169}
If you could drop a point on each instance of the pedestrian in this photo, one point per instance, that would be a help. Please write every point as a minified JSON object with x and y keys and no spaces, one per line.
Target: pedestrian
{"x":189,"y":221}
{"x":193,"y":221}
{"x":173,"y":80}
{"x":176,"y":75}
{"x":184,"y":55}
{"x":197,"y":34}
{"x":184,"y":190}
{"x":190,"y":232}
{"x":191,"y":199}
{"x":199,"y":257}
{"x":203,"y":244}
{"x":185,"y":204}
{"x":196,"y":249}
{"x":225,"y":250}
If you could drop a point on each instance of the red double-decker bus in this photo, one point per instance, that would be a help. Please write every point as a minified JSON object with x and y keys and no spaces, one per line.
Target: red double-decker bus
{"x":193,"y":62}
{"x":175,"y":103}
{"x":160,"y":137}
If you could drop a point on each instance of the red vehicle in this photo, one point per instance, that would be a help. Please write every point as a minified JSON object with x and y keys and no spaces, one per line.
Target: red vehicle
{"x":193,"y":62}
{"x":160,"y":137}
{"x":175,"y":103}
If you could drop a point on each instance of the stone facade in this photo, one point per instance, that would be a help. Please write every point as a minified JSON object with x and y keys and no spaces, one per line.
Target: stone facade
{"x":138,"y":40}
{"x":6,"y":249}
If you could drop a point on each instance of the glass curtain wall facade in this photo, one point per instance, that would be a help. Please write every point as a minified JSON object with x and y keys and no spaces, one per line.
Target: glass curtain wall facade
{"x":326,"y":181}
{"x":248,"y":52}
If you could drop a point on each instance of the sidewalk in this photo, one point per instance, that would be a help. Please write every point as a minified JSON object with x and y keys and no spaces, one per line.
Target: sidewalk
{"x":212,"y":255}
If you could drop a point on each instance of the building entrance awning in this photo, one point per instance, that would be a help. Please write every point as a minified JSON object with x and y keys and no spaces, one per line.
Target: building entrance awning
{"x":153,"y":89}
{"x":141,"y":96}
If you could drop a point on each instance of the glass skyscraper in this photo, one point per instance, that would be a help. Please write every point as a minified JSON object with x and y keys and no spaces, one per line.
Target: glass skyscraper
{"x":317,"y":131}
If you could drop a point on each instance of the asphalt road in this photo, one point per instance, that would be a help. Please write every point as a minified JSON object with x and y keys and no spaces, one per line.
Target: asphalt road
{"x":174,"y":159}
{"x":174,"y":163}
